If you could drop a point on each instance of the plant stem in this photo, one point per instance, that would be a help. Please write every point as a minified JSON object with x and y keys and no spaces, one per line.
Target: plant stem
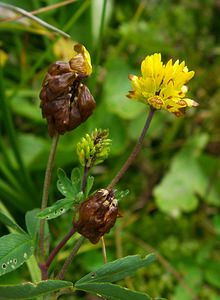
{"x":70,"y":258}
{"x":104,"y":250}
{"x":45,"y":266}
{"x":135,"y":151}
{"x":47,"y":181}
{"x":84,"y":179}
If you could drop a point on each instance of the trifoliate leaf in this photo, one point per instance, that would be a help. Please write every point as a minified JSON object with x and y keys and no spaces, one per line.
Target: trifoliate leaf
{"x":57,"y":209}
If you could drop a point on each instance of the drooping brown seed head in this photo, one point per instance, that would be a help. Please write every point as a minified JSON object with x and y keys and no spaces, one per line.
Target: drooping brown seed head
{"x":82,"y":106}
{"x":69,"y":110}
{"x":65,"y":101}
{"x":97,"y":215}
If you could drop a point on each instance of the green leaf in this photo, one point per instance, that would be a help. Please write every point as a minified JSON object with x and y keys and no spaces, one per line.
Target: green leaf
{"x":89,"y":185}
{"x":33,"y":225}
{"x":10,"y":223}
{"x":117,"y":269}
{"x":64,"y":185}
{"x":32,"y":222}
{"x":34,"y":269}
{"x":69,"y":188}
{"x":57,"y":209}
{"x":76,"y":178}
{"x":30,"y":290}
{"x":187,"y":178}
{"x":15,"y":249}
{"x":113,"y":292}
{"x":175,"y":193}
{"x":212,"y":274}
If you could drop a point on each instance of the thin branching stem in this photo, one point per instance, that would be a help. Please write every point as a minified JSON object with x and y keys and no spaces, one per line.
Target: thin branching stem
{"x":104,"y":250}
{"x":47,"y":181}
{"x":135,"y":151}
{"x":45,"y":266}
{"x":69,"y":259}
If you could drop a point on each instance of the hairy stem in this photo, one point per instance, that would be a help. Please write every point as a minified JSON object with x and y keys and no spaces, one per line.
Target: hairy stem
{"x":135,"y":151}
{"x":47,"y":181}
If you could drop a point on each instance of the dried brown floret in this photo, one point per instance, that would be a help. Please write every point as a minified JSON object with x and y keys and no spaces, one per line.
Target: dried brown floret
{"x":97,"y":215}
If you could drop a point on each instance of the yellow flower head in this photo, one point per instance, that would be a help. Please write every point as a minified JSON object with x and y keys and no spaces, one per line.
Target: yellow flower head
{"x":162,"y":86}
{"x":81,"y":62}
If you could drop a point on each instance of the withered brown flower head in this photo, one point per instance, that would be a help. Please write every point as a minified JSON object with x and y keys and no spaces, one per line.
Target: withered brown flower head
{"x":97,"y":215}
{"x":65,"y":101}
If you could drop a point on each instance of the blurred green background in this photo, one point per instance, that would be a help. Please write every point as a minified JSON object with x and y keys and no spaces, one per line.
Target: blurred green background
{"x":174,"y":200}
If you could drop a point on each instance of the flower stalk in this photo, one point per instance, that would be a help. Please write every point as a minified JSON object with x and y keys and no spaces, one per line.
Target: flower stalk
{"x":69,"y":259}
{"x":104,"y":250}
{"x":47,"y":181}
{"x":135,"y":151}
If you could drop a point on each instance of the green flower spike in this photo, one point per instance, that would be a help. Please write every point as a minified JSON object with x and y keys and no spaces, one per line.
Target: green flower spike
{"x":93,"y":149}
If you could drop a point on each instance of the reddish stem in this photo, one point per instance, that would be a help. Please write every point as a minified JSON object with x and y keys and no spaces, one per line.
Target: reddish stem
{"x":45,"y":266}
{"x":135,"y":151}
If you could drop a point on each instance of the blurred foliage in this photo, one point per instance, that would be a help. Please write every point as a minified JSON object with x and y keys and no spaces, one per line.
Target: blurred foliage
{"x":174,"y":200}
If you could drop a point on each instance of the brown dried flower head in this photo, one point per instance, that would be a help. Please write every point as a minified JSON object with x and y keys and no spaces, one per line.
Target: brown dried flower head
{"x":65,"y":101}
{"x":98,"y":214}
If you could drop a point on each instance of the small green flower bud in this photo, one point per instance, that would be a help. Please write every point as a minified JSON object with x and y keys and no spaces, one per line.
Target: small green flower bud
{"x":82,"y":157}
{"x":95,"y":148}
